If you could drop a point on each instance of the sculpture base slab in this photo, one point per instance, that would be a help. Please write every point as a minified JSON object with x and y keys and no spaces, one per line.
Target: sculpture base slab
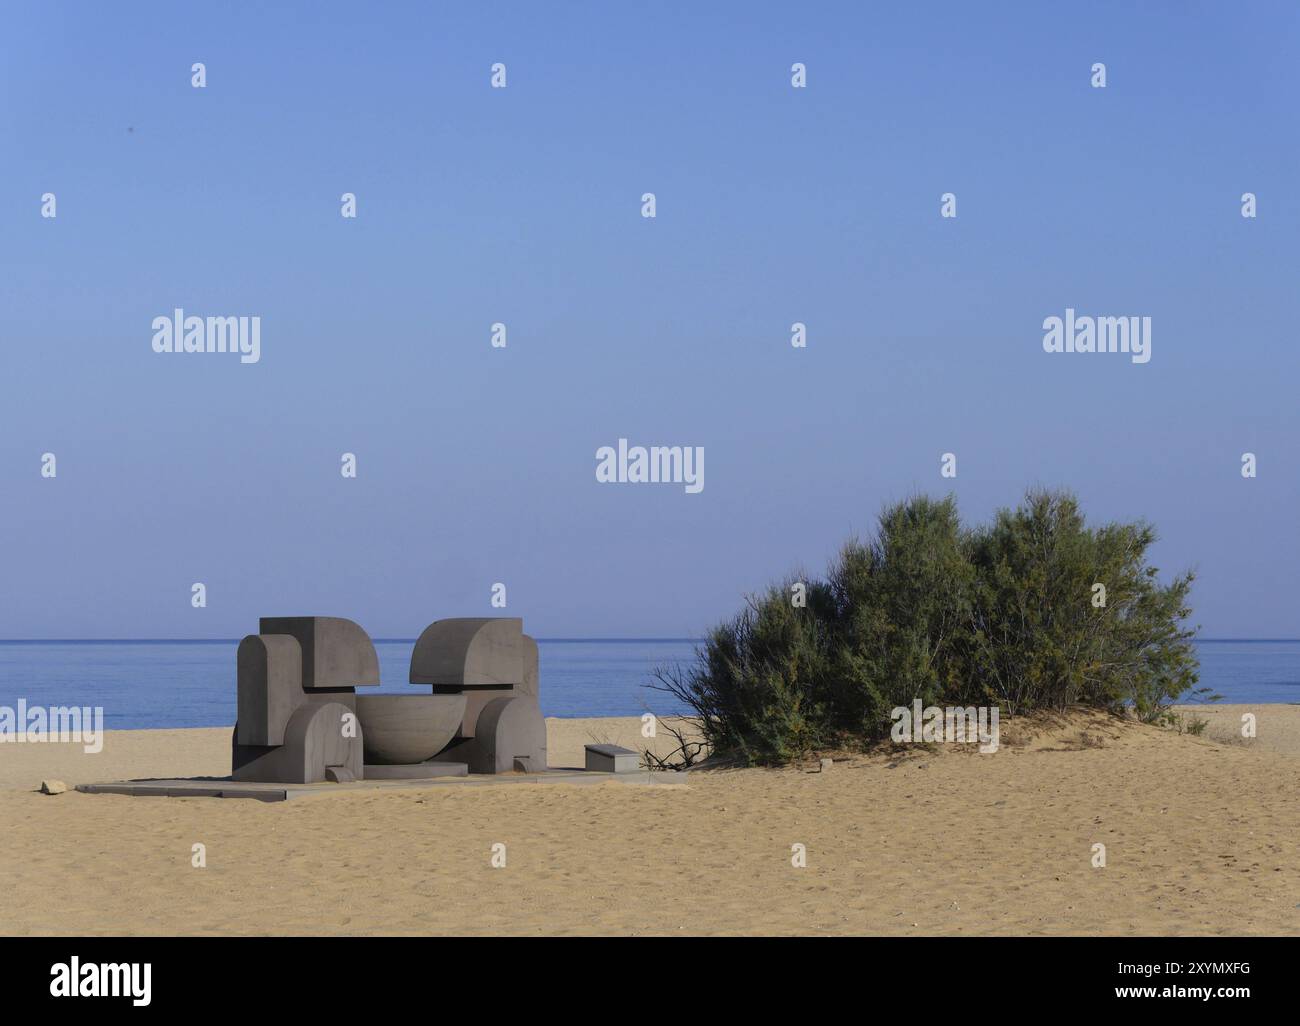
{"x":224,"y":787}
{"x":416,"y":771}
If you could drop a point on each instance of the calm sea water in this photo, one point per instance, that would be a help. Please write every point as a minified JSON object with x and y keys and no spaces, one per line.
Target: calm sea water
{"x":192,"y":683}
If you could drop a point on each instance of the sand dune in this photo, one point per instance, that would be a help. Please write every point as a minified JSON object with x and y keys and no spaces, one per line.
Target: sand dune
{"x":1202,"y":836}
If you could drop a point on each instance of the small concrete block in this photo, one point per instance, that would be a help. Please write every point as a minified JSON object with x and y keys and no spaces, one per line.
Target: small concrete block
{"x":53,"y":787}
{"x":339,"y":775}
{"x":827,"y":764}
{"x":612,"y":759}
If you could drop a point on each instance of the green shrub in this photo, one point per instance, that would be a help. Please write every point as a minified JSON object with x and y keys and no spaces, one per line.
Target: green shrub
{"x":901,"y":605}
{"x":1002,"y":615}
{"x":755,"y":689}
{"x":1039,"y":639}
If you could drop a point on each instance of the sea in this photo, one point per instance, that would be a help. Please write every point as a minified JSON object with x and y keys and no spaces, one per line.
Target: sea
{"x":151,"y":684}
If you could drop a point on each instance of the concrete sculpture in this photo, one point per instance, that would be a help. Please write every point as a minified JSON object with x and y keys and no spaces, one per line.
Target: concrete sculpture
{"x":493,"y":664}
{"x":301,"y":720}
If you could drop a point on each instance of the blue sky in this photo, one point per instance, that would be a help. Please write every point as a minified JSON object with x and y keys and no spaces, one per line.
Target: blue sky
{"x":522,"y":205}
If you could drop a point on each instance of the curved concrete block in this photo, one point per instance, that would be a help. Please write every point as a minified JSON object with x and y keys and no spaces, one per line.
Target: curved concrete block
{"x":476,"y":699}
{"x":336,"y":653}
{"x":509,"y":730}
{"x":402,"y":729}
{"x":470,"y":653}
{"x":269,"y":674}
{"x":314,"y":741}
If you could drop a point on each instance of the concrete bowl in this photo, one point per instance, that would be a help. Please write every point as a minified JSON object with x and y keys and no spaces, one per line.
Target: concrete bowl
{"x":398,"y":730}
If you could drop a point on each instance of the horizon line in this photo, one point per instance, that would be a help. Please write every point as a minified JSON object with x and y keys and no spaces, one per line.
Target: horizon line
{"x":232,"y":641}
{"x":391,"y":641}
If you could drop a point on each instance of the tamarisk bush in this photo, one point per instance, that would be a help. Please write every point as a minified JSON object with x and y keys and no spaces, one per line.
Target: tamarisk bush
{"x":1004,"y":614}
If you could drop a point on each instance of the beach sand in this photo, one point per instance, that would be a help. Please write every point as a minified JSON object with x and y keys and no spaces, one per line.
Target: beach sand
{"x":1202,"y":837}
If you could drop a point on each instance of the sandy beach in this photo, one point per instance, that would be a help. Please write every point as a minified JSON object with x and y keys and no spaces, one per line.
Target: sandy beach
{"x":1202,"y":837}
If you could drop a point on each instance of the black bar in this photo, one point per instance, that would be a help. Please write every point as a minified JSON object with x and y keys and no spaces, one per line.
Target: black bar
{"x":562,"y":977}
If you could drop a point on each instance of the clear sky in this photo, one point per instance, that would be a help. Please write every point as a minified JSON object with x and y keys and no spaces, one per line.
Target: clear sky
{"x":523,"y":206}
